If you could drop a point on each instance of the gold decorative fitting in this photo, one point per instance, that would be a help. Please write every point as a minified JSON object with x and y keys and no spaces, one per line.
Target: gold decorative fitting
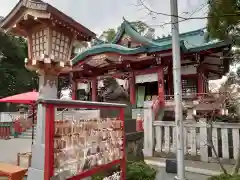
{"x":35,"y":5}
{"x":26,"y":60}
{"x":52,"y":56}
{"x":25,"y":17}
{"x":34,"y":62}
{"x":42,"y":56}
{"x":62,"y":64}
{"x":47,"y":60}
{"x":158,"y":60}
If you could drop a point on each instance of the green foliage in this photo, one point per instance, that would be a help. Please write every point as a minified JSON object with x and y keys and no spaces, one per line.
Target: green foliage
{"x":15,"y":78}
{"x":140,"y":26}
{"x":224,"y":19}
{"x":140,"y":171}
{"x":109,"y":34}
{"x":225,"y":177}
{"x":135,"y":171}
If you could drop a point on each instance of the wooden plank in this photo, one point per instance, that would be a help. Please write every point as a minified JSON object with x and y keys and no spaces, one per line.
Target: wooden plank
{"x":12,"y":172}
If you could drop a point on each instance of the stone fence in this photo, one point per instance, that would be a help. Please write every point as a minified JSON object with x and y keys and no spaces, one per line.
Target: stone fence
{"x":160,"y":139}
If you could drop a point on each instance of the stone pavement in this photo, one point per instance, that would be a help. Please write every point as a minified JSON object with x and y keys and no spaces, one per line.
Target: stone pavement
{"x":162,"y":175}
{"x":10,"y":148}
{"x":194,"y":169}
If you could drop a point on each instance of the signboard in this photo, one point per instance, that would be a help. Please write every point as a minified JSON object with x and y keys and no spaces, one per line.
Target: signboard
{"x":83,"y":144}
{"x":35,"y":5}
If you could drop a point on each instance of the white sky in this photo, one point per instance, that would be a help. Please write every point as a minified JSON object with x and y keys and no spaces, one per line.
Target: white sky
{"x":99,"y":15}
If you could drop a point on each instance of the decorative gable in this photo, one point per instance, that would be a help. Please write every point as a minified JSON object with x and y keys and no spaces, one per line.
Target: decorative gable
{"x":127,"y":41}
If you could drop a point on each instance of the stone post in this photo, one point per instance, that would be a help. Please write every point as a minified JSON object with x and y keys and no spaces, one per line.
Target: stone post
{"x":148,"y":132}
{"x":47,"y":89}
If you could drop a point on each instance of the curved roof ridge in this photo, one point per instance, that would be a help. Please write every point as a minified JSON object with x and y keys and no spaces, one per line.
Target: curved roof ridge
{"x":190,"y":33}
{"x":116,"y":48}
{"x":119,"y":34}
{"x":103,"y":48}
{"x":127,"y":27}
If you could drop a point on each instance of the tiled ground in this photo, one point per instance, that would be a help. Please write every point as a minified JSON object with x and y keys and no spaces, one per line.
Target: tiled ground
{"x":10,"y":148}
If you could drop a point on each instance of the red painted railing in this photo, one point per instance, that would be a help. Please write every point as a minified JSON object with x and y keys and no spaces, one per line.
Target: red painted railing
{"x":159,"y":102}
{"x":5,"y":130}
{"x":196,"y":95}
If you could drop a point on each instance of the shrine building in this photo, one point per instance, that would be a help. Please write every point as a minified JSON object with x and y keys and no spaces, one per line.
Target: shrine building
{"x":143,"y":65}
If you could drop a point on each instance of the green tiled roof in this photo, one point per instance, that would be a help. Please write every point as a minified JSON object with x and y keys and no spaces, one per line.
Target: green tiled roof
{"x":148,"y":45}
{"x":210,"y":45}
{"x":187,"y":34}
{"x":107,"y":48}
{"x":115,"y":48}
{"x":127,"y":28}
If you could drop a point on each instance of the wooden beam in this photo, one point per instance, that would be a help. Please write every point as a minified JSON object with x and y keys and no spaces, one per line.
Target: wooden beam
{"x":187,"y":64}
{"x":212,"y":64}
{"x":212,"y":56}
{"x":215,"y":72}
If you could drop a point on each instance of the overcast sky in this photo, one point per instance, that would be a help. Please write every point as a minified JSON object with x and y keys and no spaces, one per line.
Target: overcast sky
{"x":99,"y":15}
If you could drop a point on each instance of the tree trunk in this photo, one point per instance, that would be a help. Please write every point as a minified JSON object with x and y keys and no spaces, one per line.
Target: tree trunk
{"x":210,"y":144}
{"x":237,"y":165}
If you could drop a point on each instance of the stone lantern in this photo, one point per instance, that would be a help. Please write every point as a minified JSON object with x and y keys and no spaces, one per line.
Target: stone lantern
{"x":50,"y":35}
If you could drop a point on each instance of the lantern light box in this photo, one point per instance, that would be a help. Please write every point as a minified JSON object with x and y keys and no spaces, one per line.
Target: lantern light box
{"x":50,"y":34}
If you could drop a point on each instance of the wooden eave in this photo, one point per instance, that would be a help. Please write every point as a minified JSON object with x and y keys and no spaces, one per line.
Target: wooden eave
{"x":70,"y":21}
{"x":92,"y":71}
{"x":12,"y":16}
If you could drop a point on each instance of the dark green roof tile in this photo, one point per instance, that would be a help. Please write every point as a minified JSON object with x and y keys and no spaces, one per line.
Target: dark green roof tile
{"x":107,"y":48}
{"x":148,"y":46}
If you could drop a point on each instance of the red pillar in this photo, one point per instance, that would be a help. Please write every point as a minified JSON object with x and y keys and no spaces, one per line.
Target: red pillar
{"x":161,"y":85}
{"x":200,"y":80}
{"x":170,"y":79}
{"x":74,"y":90}
{"x":94,"y":89}
{"x":132,"y":87}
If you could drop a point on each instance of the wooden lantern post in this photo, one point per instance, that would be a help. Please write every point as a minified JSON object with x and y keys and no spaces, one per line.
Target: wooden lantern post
{"x":50,"y":35}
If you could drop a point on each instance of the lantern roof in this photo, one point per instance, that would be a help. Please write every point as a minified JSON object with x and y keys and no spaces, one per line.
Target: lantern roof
{"x":45,"y":11}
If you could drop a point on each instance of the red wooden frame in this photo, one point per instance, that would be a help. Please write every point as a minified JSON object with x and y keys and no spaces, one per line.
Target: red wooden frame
{"x":49,"y":143}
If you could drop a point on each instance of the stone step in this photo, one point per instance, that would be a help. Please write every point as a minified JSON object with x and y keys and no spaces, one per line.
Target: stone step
{"x":30,"y":130}
{"x":25,"y":137}
{"x":28,"y":133}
